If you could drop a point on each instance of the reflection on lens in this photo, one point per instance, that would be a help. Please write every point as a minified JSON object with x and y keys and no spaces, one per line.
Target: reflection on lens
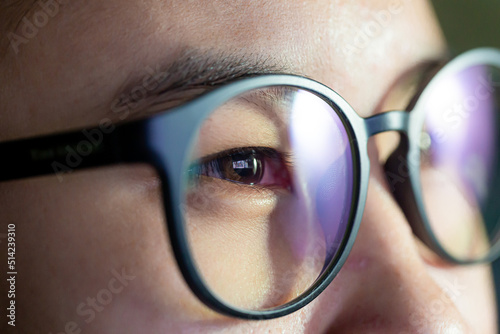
{"x":459,"y":163}
{"x":269,"y":196}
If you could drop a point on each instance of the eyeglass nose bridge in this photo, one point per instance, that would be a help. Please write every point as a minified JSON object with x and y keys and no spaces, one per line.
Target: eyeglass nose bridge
{"x":388,"y":121}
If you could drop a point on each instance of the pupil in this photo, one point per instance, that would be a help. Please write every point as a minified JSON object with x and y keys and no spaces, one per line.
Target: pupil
{"x":247,"y":168}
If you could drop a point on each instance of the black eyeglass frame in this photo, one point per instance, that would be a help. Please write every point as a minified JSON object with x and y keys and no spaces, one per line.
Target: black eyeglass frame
{"x":163,"y":141}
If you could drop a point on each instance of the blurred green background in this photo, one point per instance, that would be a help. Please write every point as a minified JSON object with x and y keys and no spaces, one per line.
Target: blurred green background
{"x":469,"y":23}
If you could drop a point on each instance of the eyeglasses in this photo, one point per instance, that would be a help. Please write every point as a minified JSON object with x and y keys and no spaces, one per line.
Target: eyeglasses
{"x":264,"y":180}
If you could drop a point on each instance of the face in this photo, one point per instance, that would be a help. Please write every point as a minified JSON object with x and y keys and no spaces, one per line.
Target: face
{"x":92,"y":252}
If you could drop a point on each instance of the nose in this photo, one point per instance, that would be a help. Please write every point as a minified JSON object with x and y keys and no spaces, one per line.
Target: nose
{"x":385,"y":285}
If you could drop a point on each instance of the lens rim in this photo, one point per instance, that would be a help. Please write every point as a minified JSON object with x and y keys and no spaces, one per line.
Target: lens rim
{"x":179,"y":126}
{"x":409,"y":195}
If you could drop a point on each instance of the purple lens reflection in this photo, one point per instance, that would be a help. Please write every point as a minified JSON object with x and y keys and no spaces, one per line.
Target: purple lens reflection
{"x":321,"y":144}
{"x":271,"y":204}
{"x":460,"y":151}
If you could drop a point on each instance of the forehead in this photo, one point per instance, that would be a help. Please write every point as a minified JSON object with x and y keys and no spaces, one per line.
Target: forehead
{"x":66,"y":74}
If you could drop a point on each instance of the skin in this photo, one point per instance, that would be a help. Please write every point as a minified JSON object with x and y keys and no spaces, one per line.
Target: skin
{"x":72,"y":235}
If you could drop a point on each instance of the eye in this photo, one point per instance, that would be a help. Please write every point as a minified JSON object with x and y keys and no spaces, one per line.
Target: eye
{"x":258,"y":166}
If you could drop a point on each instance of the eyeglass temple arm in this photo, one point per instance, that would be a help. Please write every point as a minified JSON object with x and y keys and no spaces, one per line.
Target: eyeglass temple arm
{"x":63,"y":153}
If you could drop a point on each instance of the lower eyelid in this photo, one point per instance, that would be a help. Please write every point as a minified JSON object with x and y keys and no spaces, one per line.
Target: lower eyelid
{"x":238,"y":191}
{"x":231,"y":203}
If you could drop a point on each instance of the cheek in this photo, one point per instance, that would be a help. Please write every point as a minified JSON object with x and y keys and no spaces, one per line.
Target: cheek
{"x":471,"y":289}
{"x":93,"y":250}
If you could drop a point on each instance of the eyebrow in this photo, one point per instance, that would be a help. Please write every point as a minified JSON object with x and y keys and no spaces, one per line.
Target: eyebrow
{"x":190,"y":75}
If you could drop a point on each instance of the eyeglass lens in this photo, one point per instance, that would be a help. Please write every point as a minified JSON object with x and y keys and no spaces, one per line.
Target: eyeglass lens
{"x":269,"y":194}
{"x":460,"y":169}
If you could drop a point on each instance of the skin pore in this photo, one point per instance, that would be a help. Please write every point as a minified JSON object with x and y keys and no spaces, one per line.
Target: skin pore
{"x":74,"y":238}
